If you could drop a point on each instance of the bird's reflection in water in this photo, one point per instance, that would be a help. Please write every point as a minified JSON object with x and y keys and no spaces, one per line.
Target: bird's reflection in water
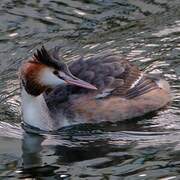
{"x":32,"y":148}
{"x":40,"y":160}
{"x":92,"y":148}
{"x":33,"y":165}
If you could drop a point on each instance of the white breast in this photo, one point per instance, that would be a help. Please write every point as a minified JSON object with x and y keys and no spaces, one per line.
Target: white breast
{"x":36,"y":112}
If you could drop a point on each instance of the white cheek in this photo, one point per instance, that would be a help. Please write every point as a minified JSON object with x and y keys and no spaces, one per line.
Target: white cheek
{"x":49,"y":79}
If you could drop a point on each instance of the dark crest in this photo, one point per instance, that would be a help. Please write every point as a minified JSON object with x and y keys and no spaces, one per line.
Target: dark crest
{"x":50,"y":59}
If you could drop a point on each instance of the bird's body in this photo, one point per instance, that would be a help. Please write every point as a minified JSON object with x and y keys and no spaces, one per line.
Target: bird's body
{"x":123,"y":92}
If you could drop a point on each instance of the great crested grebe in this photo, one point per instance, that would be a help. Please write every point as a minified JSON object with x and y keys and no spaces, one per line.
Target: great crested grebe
{"x":102,"y":88}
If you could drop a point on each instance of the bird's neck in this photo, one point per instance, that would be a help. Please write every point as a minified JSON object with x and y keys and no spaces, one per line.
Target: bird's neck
{"x":36,"y":113}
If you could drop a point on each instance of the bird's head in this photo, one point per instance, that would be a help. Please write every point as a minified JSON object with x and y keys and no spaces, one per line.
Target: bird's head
{"x":45,"y":71}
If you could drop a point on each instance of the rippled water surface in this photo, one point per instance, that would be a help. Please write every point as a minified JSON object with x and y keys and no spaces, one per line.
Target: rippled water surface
{"x":146,"y":32}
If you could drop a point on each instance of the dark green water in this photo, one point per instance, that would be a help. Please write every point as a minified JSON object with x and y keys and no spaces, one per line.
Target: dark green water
{"x":146,"y":32}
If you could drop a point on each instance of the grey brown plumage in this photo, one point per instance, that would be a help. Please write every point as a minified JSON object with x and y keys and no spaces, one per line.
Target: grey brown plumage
{"x":108,"y":72}
{"x":123,"y":91}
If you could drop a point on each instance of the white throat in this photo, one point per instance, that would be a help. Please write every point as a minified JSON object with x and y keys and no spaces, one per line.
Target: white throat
{"x":36,"y":112}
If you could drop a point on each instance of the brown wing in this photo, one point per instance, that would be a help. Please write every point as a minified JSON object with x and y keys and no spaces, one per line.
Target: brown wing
{"x":107,"y":71}
{"x":101,"y":71}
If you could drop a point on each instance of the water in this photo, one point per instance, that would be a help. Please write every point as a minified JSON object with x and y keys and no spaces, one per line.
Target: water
{"x":146,"y":32}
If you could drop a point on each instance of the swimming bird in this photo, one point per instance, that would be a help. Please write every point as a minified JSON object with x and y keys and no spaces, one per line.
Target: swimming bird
{"x":102,"y":88}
